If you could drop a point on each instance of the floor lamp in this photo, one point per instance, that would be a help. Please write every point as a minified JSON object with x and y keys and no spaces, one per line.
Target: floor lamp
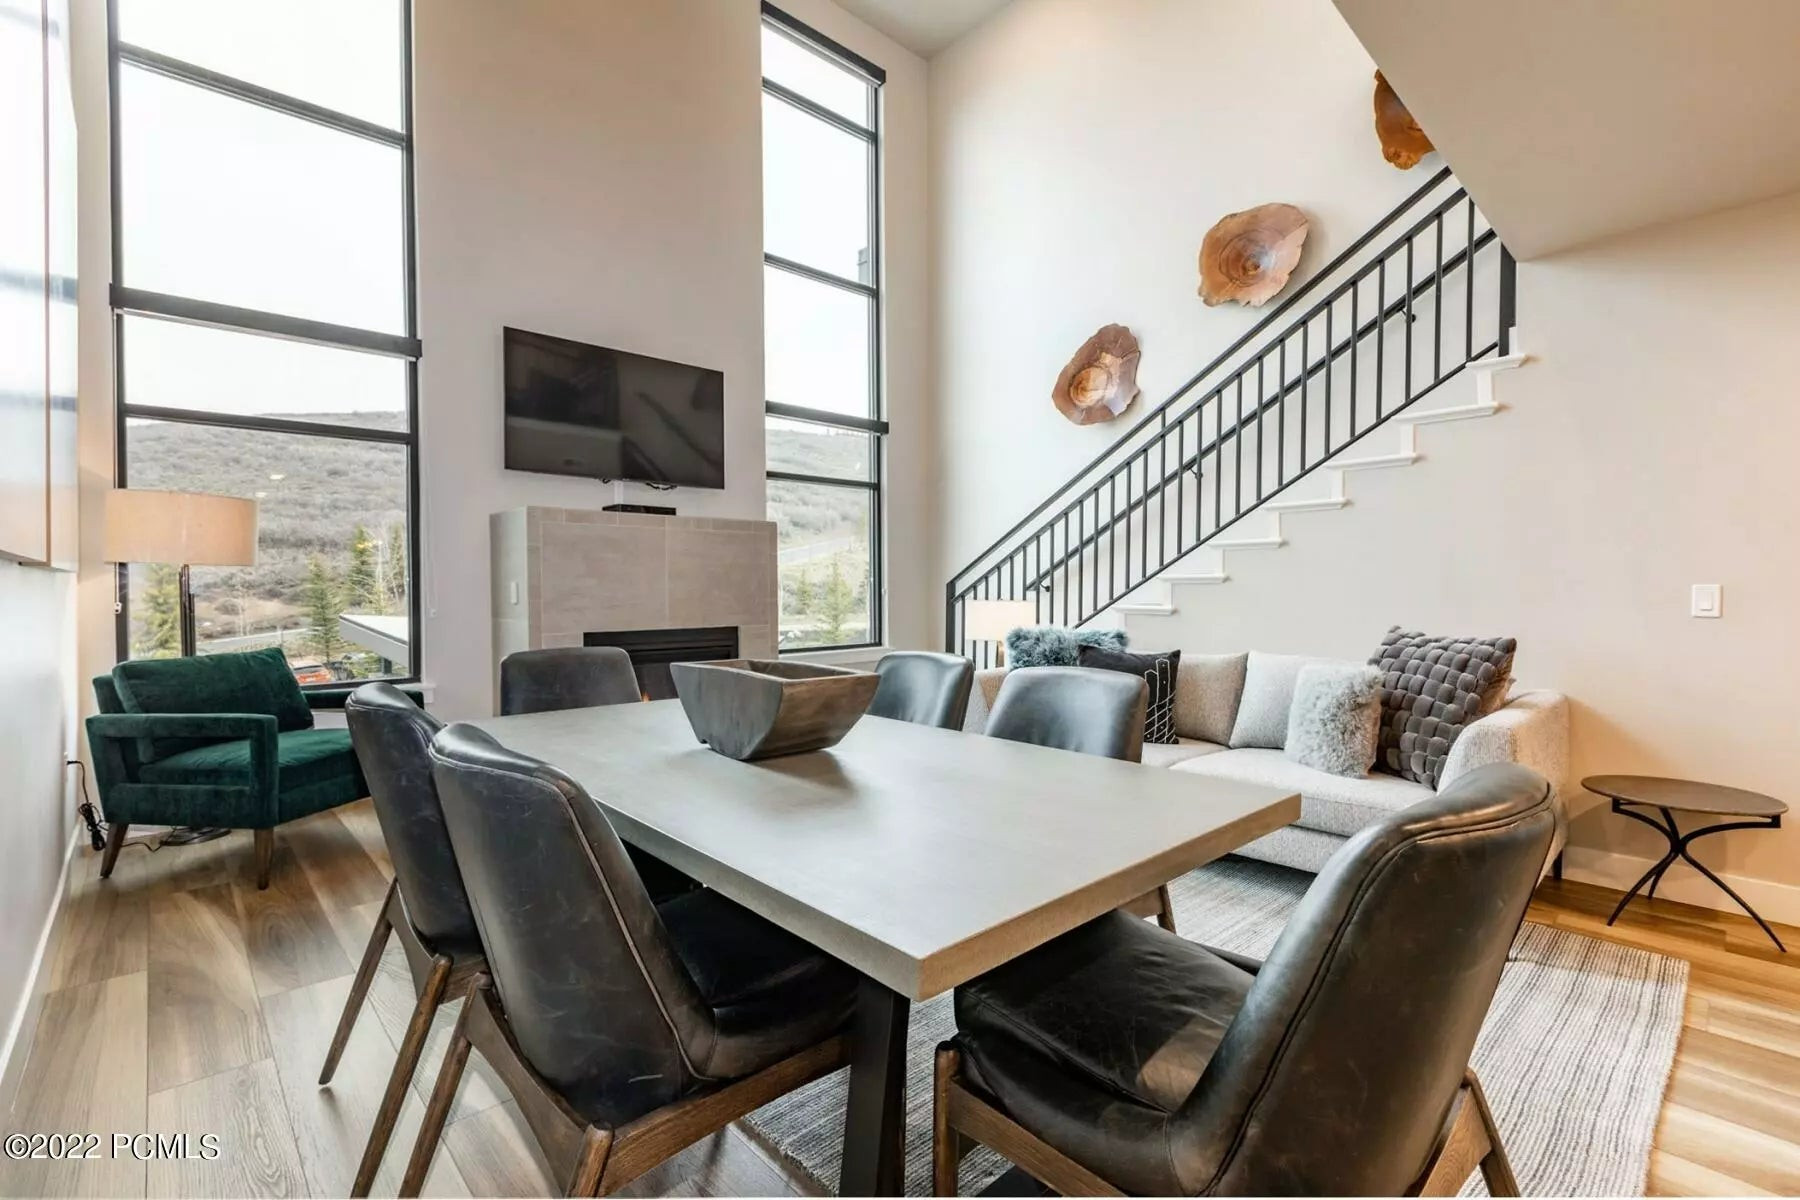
{"x":992,"y":620}
{"x":192,"y":529}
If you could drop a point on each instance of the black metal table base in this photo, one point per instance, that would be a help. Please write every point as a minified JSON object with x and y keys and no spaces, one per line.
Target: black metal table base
{"x":1678,"y":849}
{"x":875,"y":1120}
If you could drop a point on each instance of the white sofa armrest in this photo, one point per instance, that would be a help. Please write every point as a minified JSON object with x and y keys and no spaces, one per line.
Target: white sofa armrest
{"x":1531,"y":729}
{"x":981,"y":698}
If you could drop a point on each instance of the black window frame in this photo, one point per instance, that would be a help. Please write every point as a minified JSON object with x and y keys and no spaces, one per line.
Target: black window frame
{"x":126,"y":300}
{"x":875,"y":423}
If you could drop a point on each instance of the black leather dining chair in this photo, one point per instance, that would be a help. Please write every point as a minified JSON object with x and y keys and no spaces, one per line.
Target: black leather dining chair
{"x":1118,"y":1058}
{"x":426,"y":907}
{"x":923,"y":688}
{"x":624,"y":1030}
{"x":566,"y":677}
{"x":1087,"y":711}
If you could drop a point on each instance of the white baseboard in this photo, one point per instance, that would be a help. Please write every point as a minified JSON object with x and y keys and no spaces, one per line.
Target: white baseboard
{"x":1775,"y":901}
{"x":19,"y":1037}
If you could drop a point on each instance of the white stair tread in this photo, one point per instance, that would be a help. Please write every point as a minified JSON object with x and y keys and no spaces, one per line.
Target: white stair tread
{"x":1196,"y":577}
{"x":1317,"y":504}
{"x":1248,"y":543}
{"x":1454,"y":412}
{"x":1144,"y":610}
{"x":1406,"y":458}
{"x":1500,"y":362}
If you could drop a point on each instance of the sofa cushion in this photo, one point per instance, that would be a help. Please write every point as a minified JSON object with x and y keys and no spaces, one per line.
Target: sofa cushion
{"x":1158,"y":671}
{"x":1334,"y":719}
{"x":1262,"y":715}
{"x":255,"y":681}
{"x":1331,"y":803}
{"x":1207,"y":691}
{"x":316,"y":770}
{"x":1181,"y":751}
{"x":1432,"y":687}
{"x":1054,"y":646}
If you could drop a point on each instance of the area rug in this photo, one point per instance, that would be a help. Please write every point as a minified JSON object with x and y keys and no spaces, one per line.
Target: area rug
{"x":1574,"y":1056}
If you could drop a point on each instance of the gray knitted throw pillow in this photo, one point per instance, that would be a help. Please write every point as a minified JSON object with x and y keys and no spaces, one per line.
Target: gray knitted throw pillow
{"x":1431,"y":688}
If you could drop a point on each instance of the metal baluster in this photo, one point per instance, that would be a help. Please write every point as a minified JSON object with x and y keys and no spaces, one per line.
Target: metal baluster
{"x":1406,"y":396}
{"x":1066,"y":567}
{"x":1112,"y":559}
{"x":1281,"y":415}
{"x":1180,"y":479}
{"x":1162,"y":492}
{"x":1305,"y":385}
{"x":1218,"y":459}
{"x":1261,"y":404}
{"x":1437,"y":306}
{"x":1355,"y":341}
{"x":1330,"y":355}
{"x":1143,"y":525}
{"x":1237,"y":440}
{"x":1381,"y":336}
{"x":1469,"y":287}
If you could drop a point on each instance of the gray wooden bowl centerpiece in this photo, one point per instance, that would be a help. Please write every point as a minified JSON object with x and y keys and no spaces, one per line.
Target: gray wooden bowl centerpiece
{"x":751,"y":708}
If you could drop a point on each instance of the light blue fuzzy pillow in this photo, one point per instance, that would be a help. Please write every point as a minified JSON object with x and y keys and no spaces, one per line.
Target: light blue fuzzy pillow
{"x":1054,"y":646}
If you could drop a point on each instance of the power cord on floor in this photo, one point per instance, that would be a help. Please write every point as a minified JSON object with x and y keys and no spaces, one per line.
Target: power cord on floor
{"x":89,"y":814}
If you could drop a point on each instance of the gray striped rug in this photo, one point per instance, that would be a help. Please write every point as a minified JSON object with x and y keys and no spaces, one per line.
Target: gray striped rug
{"x":1574,"y":1056}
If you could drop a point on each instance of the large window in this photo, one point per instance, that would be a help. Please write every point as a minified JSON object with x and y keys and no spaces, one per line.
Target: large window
{"x":266,"y":337}
{"x":822,"y":332}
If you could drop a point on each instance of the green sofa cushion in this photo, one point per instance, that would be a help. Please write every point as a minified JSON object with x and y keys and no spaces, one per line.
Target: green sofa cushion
{"x":257,"y":681}
{"x":317,"y":770}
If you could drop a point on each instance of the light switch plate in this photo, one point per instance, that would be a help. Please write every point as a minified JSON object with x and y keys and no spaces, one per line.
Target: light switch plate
{"x":1708,"y":601}
{"x":512,"y":588}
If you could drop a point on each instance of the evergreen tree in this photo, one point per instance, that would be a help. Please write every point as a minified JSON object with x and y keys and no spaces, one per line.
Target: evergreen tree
{"x":324,"y":602}
{"x":160,"y":636}
{"x":837,"y":603}
{"x":803,"y":593}
{"x":361,"y":589}
{"x":395,"y":583}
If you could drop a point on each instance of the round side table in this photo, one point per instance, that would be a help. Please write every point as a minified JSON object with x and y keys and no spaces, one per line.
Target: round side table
{"x":1632,"y":794}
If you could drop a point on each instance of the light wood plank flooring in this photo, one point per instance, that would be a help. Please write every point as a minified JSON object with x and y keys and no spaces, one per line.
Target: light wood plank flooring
{"x":183,"y":1000}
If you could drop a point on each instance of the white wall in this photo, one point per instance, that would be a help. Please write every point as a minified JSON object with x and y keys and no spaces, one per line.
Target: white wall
{"x":1651,"y":446}
{"x":38,"y":709}
{"x":1080,"y":150}
{"x":594,"y":171}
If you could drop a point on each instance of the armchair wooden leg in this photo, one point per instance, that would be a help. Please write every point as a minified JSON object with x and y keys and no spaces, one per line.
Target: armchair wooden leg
{"x":431,"y":996}
{"x":431,"y":1129}
{"x":944,"y":1140}
{"x":359,"y":987}
{"x":590,"y":1166}
{"x":1496,"y":1168}
{"x":265,"y":856}
{"x":1165,"y":908}
{"x":115,"y":842}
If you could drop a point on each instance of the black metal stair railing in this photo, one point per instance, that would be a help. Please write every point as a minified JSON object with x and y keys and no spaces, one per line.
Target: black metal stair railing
{"x":1361,"y":341}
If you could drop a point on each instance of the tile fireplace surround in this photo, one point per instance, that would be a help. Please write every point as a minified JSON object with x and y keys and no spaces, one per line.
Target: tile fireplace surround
{"x":560,"y":573}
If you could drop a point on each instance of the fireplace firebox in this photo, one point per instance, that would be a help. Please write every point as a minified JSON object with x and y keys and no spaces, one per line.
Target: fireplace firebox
{"x":652,"y":650}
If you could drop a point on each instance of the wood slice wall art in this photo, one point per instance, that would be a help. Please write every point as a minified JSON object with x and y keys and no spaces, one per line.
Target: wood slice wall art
{"x":1249,"y":255}
{"x":1100,"y":382}
{"x":1403,"y":143}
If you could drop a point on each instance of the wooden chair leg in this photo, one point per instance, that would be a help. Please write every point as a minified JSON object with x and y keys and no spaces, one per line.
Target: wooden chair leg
{"x":944,"y":1155}
{"x":431,"y":997}
{"x":265,"y":857}
{"x":359,"y":987}
{"x":431,"y":1129}
{"x":590,"y":1166}
{"x":115,"y":842}
{"x":1496,"y":1168}
{"x":1165,"y":911}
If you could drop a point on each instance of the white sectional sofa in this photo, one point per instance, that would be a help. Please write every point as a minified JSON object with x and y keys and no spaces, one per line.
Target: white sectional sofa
{"x":1530,"y":728}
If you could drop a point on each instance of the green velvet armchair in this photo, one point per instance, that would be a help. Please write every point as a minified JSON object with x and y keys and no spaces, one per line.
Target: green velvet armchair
{"x":221,"y":739}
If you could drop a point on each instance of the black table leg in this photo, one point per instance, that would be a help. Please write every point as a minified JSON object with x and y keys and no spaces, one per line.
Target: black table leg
{"x":1678,"y":849}
{"x":875,"y":1123}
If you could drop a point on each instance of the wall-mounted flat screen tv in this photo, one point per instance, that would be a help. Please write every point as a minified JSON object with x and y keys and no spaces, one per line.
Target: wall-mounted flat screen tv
{"x":576,"y":409}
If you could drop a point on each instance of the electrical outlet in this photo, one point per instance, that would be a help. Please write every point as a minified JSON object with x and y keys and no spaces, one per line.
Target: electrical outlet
{"x":1708,"y":601}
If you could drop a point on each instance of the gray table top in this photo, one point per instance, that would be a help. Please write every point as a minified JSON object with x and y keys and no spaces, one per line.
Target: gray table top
{"x":1686,"y":795}
{"x":922,"y":857}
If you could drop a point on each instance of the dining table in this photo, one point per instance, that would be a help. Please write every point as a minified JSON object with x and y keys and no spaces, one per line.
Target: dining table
{"x":920,"y":857}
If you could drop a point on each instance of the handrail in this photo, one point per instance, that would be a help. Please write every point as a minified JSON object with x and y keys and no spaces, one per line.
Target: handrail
{"x":1280,"y":310}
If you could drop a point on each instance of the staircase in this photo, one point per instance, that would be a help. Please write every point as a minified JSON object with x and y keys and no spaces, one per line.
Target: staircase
{"x":1270,"y":426}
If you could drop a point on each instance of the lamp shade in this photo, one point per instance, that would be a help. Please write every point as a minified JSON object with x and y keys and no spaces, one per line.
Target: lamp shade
{"x":992,"y":620}
{"x":186,"y":528}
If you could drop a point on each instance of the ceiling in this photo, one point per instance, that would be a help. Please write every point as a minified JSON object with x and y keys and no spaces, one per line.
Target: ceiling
{"x":1573,"y":121}
{"x":923,"y":26}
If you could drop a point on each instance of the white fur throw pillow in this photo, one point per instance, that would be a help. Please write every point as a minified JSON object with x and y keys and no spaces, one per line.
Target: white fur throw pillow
{"x":1335,"y":718}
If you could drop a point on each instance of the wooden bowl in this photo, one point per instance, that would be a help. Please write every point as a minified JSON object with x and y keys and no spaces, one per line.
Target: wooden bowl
{"x":750,"y":708}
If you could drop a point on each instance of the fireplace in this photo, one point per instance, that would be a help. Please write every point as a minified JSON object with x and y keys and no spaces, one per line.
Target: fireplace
{"x":652,"y":650}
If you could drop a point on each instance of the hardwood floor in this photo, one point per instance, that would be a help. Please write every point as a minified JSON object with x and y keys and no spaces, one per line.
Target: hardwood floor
{"x":182,"y":1000}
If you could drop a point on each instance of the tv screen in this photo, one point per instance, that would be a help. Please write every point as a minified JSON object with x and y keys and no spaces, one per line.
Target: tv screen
{"x":576,"y":409}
